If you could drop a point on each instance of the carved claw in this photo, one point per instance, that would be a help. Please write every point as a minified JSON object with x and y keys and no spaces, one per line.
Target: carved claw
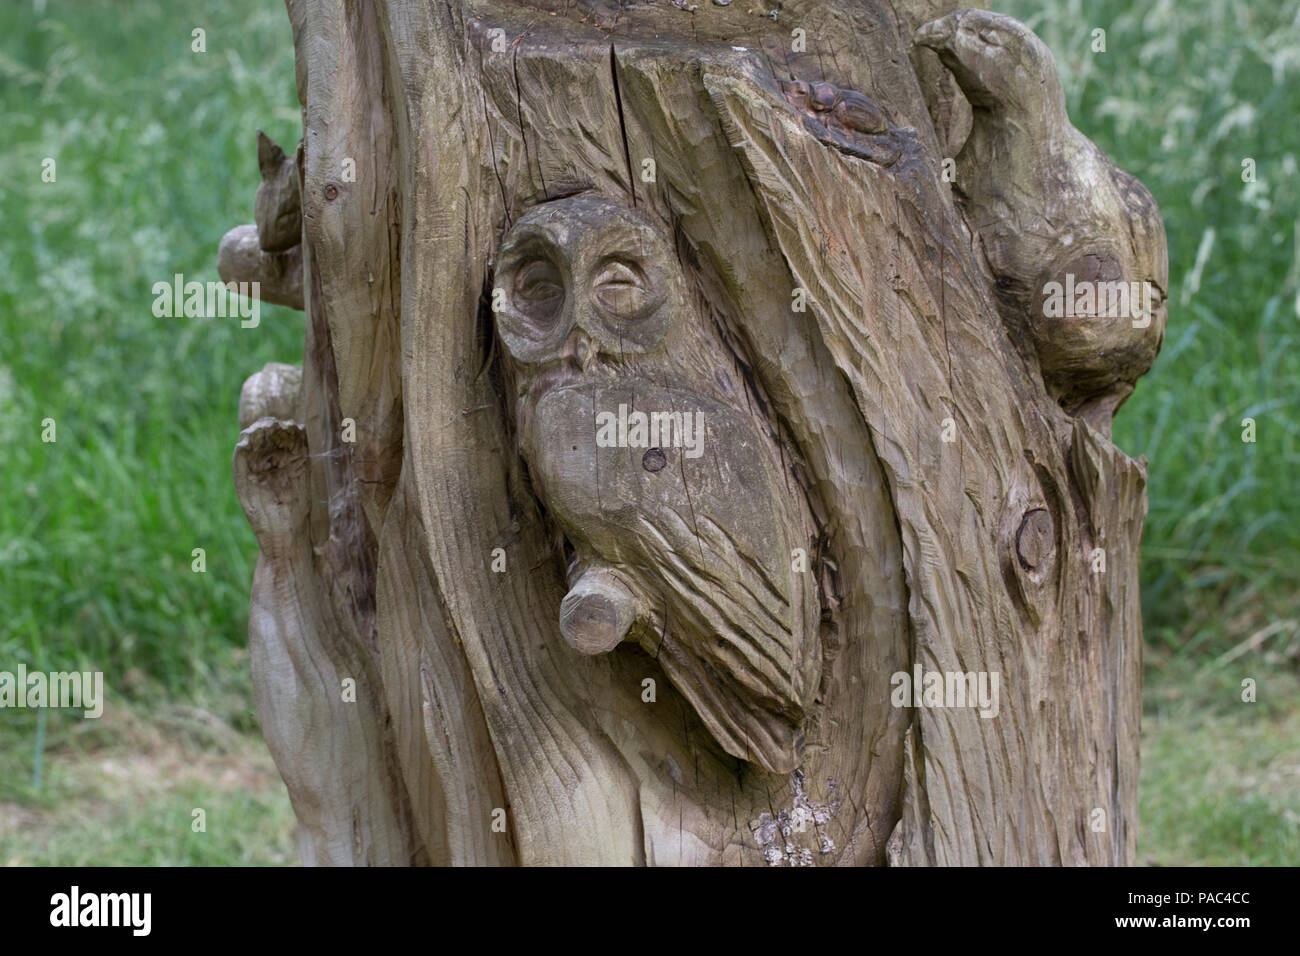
{"x":856,"y":112}
{"x":598,"y":611}
{"x":273,"y":483}
{"x":278,"y":275}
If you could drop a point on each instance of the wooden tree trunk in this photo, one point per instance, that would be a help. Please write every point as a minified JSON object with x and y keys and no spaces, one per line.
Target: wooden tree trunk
{"x":851,"y":228}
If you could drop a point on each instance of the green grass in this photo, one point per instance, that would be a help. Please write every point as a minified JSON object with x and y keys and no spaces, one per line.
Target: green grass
{"x":1221,"y":777}
{"x":155,"y":152}
{"x":156,"y":158}
{"x":122,"y":791}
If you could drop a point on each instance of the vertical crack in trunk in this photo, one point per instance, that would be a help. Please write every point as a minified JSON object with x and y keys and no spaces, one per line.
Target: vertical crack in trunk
{"x":523,"y":132}
{"x":622,"y":123}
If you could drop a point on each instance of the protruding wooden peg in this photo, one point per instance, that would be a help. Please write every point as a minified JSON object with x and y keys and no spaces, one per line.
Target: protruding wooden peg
{"x":597,"y":612}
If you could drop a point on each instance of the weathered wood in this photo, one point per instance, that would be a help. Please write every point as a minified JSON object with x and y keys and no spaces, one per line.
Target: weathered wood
{"x":572,"y":651}
{"x":278,"y":275}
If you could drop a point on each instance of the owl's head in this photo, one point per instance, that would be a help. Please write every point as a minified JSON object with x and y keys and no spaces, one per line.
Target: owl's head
{"x":583,"y":283}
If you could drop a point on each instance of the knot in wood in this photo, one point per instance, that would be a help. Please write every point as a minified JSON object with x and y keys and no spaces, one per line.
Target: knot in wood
{"x":1034,"y":539}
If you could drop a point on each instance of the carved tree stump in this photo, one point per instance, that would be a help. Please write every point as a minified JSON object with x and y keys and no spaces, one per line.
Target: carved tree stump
{"x":494,"y":623}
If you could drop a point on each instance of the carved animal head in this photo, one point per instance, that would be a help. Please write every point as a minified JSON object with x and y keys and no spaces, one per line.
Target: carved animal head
{"x":999,"y":62}
{"x":587,"y":283}
{"x":278,"y":205}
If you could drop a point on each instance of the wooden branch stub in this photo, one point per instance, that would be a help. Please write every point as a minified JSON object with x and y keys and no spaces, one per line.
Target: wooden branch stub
{"x":271,"y":393}
{"x":597,"y":612}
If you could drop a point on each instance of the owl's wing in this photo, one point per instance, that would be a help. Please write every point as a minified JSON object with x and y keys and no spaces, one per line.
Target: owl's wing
{"x":697,"y":515}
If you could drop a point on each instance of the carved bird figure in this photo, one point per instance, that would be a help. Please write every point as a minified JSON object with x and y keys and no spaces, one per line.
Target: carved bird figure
{"x":679,"y":525}
{"x":1075,"y":243}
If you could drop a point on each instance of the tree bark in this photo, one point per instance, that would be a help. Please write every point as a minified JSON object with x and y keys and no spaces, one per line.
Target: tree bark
{"x":857,"y":222}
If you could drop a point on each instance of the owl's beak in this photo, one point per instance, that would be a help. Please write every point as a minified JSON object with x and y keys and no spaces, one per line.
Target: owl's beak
{"x":580,"y":348}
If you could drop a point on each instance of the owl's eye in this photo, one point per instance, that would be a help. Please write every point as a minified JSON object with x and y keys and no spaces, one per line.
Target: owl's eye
{"x":538,"y":291}
{"x":622,"y":288}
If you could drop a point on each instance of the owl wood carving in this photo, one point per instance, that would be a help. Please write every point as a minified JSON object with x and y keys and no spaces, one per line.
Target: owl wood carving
{"x":657,"y":466}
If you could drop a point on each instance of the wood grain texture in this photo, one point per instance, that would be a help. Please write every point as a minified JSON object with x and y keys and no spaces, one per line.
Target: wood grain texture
{"x":932,"y":446}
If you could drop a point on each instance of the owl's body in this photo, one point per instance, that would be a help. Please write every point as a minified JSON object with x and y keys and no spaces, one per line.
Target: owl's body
{"x":684,"y":546}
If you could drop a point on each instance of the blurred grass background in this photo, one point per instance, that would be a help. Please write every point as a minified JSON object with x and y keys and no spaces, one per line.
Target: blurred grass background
{"x":156,"y":158}
{"x":155,"y":151}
